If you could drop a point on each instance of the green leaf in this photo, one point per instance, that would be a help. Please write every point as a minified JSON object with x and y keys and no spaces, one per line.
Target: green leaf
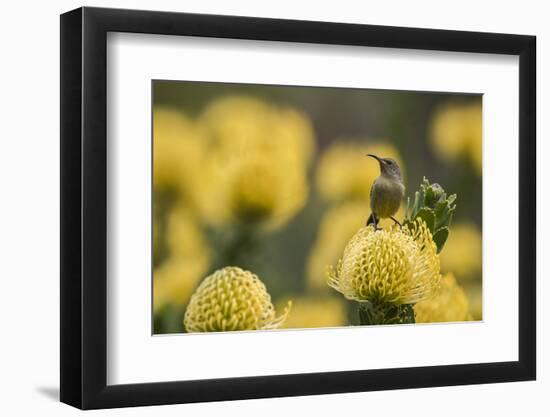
{"x":441,"y":207}
{"x":440,"y":237}
{"x":451,"y":199}
{"x":432,"y":205}
{"x":431,"y":197}
{"x":450,"y":219}
{"x":428,"y":216}
{"x":442,"y":213}
{"x":420,"y":200}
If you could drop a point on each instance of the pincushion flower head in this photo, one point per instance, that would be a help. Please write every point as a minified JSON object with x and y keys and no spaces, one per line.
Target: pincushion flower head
{"x":399,"y":266}
{"x":232,"y":299}
{"x":237,"y":124}
{"x":261,"y":191}
{"x":338,"y":225}
{"x":252,"y":188}
{"x":257,"y":162}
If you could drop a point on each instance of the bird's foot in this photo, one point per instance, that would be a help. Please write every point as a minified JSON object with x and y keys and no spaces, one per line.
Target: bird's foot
{"x":396,"y":221}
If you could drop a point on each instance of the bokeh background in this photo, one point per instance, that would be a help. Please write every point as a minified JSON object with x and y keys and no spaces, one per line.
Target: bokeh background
{"x":274,"y":179}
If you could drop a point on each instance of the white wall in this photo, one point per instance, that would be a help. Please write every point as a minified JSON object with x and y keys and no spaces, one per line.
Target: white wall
{"x":29,"y":238}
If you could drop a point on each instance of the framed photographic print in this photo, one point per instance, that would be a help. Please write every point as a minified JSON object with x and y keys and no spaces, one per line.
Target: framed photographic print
{"x":257,"y":208}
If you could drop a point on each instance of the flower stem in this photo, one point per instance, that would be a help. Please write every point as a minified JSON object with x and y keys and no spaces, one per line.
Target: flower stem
{"x":372,"y":313}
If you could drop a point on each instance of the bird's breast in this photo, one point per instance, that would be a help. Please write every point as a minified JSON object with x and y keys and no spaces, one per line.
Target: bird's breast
{"x":386,"y":196}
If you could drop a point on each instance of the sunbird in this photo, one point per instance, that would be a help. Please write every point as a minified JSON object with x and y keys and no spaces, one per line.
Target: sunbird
{"x":386,"y":193}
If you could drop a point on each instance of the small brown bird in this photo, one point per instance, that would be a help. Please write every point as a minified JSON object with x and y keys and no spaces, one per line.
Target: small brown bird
{"x":387,"y":191}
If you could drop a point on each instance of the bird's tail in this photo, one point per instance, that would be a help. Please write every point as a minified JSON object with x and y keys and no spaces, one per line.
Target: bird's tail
{"x":370,"y":220}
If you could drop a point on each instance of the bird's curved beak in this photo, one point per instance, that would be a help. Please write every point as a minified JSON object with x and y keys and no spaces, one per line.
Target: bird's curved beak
{"x":374,"y":156}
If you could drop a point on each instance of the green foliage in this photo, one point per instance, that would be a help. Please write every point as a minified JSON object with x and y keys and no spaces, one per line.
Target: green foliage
{"x":169,"y":319}
{"x":385,"y":313}
{"x":432,"y":205}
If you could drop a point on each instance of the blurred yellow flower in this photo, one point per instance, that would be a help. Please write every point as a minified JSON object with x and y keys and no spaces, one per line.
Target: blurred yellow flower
{"x":456,"y":130}
{"x":316,"y":311}
{"x":187,"y":260}
{"x":260,"y":190}
{"x":232,"y":299}
{"x":337,"y":227}
{"x":474,"y":293}
{"x":240,"y":124}
{"x":174,"y":281}
{"x":462,"y":252}
{"x":395,"y":266}
{"x":185,"y":239}
{"x":449,"y":303}
{"x":343,"y":171}
{"x":177,"y":151}
{"x":252,"y":189}
{"x":293,"y":131}
{"x":256,"y":168}
{"x":251,"y":196}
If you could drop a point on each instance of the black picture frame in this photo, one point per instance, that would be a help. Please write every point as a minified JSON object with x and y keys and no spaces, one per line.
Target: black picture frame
{"x":84,"y":207}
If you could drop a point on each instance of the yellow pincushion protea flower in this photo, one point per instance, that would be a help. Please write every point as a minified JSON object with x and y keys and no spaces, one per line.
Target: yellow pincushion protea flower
{"x":255,"y":169}
{"x":232,"y":299}
{"x":239,"y":124}
{"x":251,"y":195}
{"x":252,"y":188}
{"x":448,"y":304}
{"x":394,"y":267}
{"x":260,"y":191}
{"x":337,"y":227}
